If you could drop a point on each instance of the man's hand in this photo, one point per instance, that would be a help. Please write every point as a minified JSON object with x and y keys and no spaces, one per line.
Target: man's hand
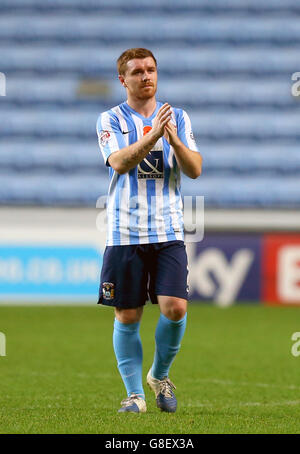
{"x":161,"y":119}
{"x":171,"y":133}
{"x":189,"y":161}
{"x":129,"y":157}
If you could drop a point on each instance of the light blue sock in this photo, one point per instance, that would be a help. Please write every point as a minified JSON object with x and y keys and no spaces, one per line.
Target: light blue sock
{"x":129,"y":353}
{"x":168,"y":336}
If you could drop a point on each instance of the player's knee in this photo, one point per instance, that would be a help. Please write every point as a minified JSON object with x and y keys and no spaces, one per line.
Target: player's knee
{"x":178,"y":313}
{"x":176,"y":310}
{"x":129,"y":315}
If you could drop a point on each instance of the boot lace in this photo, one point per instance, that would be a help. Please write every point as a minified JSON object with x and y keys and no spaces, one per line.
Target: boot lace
{"x":166,"y":387}
{"x":129,"y":400}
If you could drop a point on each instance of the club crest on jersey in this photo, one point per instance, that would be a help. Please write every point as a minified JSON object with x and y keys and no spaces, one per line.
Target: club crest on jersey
{"x":108,"y":290}
{"x":104,"y":137}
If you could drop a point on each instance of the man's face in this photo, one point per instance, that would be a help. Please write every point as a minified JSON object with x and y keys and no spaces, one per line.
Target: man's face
{"x":140,"y":78}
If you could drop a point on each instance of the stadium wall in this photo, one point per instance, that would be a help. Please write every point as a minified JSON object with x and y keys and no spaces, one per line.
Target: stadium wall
{"x":54,"y":256}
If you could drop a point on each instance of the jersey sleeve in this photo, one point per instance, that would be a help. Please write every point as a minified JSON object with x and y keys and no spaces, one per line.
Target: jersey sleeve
{"x":185,"y":132}
{"x":110,"y":135}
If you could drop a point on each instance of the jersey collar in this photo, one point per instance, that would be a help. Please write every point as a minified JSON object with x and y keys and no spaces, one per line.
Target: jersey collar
{"x":141,"y":116}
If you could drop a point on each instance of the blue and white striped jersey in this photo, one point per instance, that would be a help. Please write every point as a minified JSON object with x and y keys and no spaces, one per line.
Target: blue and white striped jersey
{"x":144,"y":205}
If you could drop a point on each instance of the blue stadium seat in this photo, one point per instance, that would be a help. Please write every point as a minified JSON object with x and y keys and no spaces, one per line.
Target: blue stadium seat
{"x":230,"y":6}
{"x":228,"y":64}
{"x":57,"y":156}
{"x":80,"y":189}
{"x":198,"y":93}
{"x":182,"y":28}
{"x":91,"y":61}
{"x":85,"y":157}
{"x":249,"y":159}
{"x":52,"y":189}
{"x":217,"y":126}
{"x":245,"y":191}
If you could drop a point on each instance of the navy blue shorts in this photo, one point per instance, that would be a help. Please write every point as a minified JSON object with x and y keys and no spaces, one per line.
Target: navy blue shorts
{"x":133,"y":274}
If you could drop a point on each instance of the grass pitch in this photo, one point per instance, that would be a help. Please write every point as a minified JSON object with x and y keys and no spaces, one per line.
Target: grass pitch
{"x":234,"y":374}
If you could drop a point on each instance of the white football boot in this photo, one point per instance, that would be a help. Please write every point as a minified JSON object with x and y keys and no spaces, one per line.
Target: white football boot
{"x":163,"y":389}
{"x":133,"y":404}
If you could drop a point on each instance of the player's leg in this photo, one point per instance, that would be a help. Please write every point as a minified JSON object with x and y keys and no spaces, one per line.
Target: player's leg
{"x":169,"y":333}
{"x":170,"y":287}
{"x":172,"y":307}
{"x":129,"y":354}
{"x":170,"y":277}
{"x":124,"y":286}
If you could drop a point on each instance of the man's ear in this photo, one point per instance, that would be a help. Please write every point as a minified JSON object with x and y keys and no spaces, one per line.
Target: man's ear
{"x":122,"y":80}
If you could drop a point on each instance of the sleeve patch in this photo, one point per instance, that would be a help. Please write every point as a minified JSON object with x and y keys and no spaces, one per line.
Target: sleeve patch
{"x":104,"y":137}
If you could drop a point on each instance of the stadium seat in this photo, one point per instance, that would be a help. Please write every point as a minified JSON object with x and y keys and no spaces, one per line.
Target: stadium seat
{"x":161,"y":5}
{"x":199,"y":92}
{"x":57,"y":156}
{"x":77,"y":189}
{"x":228,"y":64}
{"x":245,"y":191}
{"x":182,"y":28}
{"x":261,"y":159}
{"x":206,"y":60}
{"x":213,"y":126}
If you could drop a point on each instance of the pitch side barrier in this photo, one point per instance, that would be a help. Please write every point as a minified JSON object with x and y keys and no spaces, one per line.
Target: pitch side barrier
{"x":54,"y":256}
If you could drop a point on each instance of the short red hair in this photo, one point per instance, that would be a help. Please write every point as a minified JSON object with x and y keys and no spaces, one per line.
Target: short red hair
{"x":130,"y":54}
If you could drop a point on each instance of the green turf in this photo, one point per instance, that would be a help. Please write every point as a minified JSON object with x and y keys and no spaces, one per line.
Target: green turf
{"x":234,"y":374}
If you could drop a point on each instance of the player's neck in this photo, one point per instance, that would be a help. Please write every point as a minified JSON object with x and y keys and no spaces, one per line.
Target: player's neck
{"x":144,"y":107}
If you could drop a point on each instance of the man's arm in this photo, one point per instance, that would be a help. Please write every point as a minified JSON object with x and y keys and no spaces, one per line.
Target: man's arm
{"x":129,"y":157}
{"x":189,"y":161}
